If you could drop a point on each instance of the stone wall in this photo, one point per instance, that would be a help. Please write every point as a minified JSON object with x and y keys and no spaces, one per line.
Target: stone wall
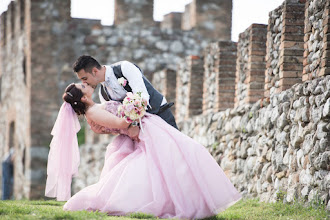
{"x":141,"y":14}
{"x":151,"y":48}
{"x":15,"y":96}
{"x":172,"y":20}
{"x":213,"y":18}
{"x":37,"y":57}
{"x":269,"y":147}
{"x":317,"y":39}
{"x":51,"y":58}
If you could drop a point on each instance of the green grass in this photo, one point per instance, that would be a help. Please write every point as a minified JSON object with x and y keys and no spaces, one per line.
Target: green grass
{"x":244,"y":209}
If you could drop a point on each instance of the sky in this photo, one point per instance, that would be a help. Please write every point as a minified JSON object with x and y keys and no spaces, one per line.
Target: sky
{"x":245,"y":12}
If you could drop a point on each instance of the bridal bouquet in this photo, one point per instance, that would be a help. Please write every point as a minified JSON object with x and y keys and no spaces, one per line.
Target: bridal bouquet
{"x":133,"y":107}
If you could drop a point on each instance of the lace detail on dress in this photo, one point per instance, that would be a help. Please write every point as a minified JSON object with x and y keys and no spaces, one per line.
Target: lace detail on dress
{"x":112,"y":106}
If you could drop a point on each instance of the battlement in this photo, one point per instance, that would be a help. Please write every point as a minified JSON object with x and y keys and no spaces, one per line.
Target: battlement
{"x":292,"y":48}
{"x":134,"y":12}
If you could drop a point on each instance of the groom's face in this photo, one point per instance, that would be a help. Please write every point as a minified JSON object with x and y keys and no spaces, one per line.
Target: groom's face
{"x":89,"y":78}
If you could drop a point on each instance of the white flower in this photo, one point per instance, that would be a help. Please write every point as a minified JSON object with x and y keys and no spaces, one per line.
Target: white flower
{"x":122,"y":81}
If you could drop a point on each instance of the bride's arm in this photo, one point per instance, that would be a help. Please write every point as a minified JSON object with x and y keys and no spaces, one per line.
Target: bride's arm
{"x":107,"y":119}
{"x":98,"y":129}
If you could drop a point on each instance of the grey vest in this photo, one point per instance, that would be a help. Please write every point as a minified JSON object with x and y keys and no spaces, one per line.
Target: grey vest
{"x":155,"y":97}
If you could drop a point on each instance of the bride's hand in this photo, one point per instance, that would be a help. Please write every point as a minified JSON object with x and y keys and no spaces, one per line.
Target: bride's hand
{"x":133,"y":132}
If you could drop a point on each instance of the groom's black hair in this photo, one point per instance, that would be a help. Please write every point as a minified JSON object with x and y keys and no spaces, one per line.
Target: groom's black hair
{"x":86,"y":63}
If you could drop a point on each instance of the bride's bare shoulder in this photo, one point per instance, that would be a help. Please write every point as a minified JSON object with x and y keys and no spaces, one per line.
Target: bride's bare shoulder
{"x":95,"y":109}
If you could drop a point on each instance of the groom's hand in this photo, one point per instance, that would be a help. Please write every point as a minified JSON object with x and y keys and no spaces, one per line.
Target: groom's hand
{"x":133,"y":132}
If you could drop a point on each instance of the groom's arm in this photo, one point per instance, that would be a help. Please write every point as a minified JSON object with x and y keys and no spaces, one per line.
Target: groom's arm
{"x":134,"y":78}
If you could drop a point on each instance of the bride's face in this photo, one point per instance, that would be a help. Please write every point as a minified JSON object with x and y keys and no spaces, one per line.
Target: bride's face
{"x":85,"y":88}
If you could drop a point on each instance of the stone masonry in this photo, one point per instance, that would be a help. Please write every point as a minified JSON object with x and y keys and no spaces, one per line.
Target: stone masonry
{"x":219,"y":76}
{"x":271,"y":147}
{"x":38,"y":48}
{"x":284,"y":47}
{"x":317,"y":41}
{"x":250,"y":66}
{"x":165,"y":81}
{"x":278,"y":147}
{"x":15,"y":97}
{"x":189,"y":91}
{"x":266,"y":146}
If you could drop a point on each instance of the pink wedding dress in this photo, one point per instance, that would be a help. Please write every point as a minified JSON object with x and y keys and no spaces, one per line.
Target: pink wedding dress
{"x":166,"y":174}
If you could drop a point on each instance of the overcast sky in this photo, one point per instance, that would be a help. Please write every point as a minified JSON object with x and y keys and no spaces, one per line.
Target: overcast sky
{"x":245,"y":12}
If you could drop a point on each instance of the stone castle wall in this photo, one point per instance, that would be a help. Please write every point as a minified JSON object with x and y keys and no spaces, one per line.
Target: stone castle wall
{"x":39,"y":60}
{"x":279,"y":143}
{"x":272,"y":147}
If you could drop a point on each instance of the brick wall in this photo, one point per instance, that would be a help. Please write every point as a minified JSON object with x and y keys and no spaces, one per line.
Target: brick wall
{"x":51,"y":51}
{"x":219,"y":76}
{"x":250,"y":66}
{"x":284,"y":47}
{"x":171,"y":21}
{"x":165,"y":82}
{"x":189,"y":91}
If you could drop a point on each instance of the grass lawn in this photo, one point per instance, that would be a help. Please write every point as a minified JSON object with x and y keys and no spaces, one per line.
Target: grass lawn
{"x":244,"y":209}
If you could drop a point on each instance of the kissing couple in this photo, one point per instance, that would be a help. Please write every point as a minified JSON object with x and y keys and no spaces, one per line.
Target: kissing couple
{"x":158,"y":171}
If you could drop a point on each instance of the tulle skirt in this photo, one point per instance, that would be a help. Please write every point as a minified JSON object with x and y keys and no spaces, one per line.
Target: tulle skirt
{"x":166,"y":174}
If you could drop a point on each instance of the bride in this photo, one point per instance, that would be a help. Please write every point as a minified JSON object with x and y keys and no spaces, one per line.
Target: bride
{"x":160,"y":171}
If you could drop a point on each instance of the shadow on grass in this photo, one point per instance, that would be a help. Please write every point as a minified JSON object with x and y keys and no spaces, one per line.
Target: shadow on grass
{"x":51,"y":203}
{"x":214,"y":218}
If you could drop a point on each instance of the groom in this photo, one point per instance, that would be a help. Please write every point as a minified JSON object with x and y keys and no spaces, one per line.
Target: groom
{"x":119,"y":78}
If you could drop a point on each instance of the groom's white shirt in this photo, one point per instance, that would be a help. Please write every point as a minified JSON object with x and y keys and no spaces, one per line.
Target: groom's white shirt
{"x":133,"y":76}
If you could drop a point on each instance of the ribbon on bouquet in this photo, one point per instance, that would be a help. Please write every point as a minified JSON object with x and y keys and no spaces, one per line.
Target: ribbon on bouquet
{"x":141,"y":127}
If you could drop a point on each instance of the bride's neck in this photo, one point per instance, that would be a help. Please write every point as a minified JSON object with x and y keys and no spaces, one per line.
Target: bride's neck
{"x":90,"y":103}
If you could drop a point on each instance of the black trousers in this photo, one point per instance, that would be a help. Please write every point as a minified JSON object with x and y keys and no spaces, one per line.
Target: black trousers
{"x":168,"y":117}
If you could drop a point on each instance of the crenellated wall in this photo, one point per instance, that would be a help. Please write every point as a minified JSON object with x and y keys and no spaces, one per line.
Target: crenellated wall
{"x":274,"y":147}
{"x":261,"y":105}
{"x":275,"y":143}
{"x":141,"y":14}
{"x":38,"y":49}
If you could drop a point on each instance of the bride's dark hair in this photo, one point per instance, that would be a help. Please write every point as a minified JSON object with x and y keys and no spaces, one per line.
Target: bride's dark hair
{"x":73,"y":96}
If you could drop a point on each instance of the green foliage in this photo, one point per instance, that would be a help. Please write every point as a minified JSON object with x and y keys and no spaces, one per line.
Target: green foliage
{"x":244,"y":209}
{"x":281,"y":195}
{"x":215,"y":145}
{"x":142,"y":216}
{"x":81,"y":134}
